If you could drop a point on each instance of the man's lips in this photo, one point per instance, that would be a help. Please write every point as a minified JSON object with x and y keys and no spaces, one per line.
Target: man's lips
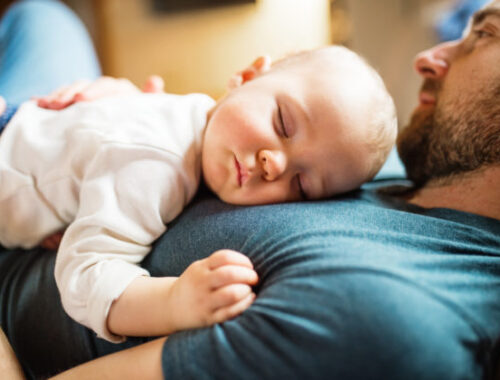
{"x":426,"y":98}
{"x":428,"y":92}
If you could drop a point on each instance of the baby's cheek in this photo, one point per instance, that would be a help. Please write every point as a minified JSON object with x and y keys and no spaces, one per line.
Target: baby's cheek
{"x":267,"y":193}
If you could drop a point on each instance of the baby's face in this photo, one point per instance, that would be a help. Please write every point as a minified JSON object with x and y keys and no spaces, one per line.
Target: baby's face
{"x":287,"y":135}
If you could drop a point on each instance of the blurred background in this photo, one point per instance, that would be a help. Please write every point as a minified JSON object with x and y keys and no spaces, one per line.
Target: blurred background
{"x":195,"y":45}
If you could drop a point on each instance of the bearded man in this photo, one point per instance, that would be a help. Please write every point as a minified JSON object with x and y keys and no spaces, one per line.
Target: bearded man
{"x":451,"y":148}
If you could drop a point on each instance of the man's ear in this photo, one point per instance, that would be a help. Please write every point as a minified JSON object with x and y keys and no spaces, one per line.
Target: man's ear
{"x":258,"y":67}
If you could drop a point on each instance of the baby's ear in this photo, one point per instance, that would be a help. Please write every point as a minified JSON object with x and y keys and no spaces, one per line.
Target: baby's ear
{"x":258,"y":67}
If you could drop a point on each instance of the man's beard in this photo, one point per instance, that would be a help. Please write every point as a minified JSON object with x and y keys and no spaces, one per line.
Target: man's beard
{"x":453,"y":138}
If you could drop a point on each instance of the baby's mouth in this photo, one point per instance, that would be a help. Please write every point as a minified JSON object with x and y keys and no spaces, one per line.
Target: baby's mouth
{"x":238,"y":171}
{"x":241,"y":172}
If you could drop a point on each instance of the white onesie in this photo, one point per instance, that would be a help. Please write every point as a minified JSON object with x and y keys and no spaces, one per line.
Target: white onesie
{"x":114,"y":172}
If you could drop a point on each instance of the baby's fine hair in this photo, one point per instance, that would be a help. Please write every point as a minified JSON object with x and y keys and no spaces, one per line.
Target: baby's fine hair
{"x":381,"y":125}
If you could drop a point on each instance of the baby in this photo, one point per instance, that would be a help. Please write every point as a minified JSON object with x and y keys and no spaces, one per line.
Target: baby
{"x":115,"y":171}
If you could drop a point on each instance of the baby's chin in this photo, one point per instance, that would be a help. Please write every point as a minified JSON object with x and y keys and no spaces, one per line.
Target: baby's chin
{"x":238,"y":200}
{"x":231,"y":199}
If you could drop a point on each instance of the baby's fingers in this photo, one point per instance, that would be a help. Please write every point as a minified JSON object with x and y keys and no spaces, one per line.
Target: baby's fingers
{"x":228,"y":257}
{"x":46,"y":101}
{"x":63,"y":96}
{"x":228,"y":312}
{"x":106,"y":87}
{"x":232,"y":274}
{"x":67,"y":97}
{"x":154,"y":84}
{"x":229,"y":295}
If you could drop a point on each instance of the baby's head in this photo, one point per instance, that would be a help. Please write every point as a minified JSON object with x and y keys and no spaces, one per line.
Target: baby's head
{"x":310,"y":126}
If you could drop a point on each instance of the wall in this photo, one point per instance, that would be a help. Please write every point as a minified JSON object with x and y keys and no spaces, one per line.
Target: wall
{"x":199,"y":50}
{"x":389,"y":33}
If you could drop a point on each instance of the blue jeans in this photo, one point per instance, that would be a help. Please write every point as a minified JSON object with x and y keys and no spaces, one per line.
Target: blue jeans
{"x":43,"y":45}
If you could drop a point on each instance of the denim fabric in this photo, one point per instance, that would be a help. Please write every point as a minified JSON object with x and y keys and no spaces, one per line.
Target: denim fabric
{"x":451,"y":24}
{"x":43,"y":45}
{"x":6,"y":115}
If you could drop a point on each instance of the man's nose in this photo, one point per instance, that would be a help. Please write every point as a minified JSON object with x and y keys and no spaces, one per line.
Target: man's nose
{"x":273,"y":163}
{"x":435,"y":62}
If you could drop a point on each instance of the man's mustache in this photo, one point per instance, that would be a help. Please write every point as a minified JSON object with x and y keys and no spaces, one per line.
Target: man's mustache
{"x":431,"y":86}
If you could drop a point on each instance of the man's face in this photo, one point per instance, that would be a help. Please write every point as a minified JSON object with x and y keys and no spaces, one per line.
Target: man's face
{"x":286,"y":135}
{"x":456,"y":127}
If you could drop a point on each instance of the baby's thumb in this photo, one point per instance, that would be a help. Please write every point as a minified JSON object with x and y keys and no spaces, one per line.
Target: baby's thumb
{"x":154,"y":84}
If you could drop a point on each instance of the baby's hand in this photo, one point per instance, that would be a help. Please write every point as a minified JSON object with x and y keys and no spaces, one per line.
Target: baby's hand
{"x":212,"y":290}
{"x":101,"y":88}
{"x":53,"y":241}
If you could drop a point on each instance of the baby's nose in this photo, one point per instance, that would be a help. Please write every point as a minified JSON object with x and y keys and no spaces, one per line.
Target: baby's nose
{"x":273,"y":163}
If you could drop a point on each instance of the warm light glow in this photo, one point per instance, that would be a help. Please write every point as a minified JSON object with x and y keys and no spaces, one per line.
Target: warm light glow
{"x":199,"y":50}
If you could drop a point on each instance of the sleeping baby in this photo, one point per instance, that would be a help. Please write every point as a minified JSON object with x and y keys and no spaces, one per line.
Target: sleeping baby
{"x":115,"y":171}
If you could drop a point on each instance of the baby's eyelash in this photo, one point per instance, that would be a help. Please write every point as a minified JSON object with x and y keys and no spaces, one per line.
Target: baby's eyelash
{"x":282,"y":122}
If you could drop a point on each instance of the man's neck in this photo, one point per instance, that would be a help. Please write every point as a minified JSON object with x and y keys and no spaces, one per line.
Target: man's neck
{"x":477,"y":193}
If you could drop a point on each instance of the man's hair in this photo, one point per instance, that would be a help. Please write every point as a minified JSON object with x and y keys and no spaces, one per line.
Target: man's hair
{"x":381,"y":128}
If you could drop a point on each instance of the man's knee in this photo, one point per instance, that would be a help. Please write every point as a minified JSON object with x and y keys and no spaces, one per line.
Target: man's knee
{"x":29,"y":17}
{"x":43,"y":45}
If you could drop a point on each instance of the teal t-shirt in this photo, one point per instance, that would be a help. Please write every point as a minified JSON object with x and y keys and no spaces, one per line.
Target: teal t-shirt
{"x":364,"y":286}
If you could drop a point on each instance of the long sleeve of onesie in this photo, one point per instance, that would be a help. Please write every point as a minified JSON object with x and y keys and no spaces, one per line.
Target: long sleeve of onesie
{"x":127,"y":195}
{"x":114,"y":172}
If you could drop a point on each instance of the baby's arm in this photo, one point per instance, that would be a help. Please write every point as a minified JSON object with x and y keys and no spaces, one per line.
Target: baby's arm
{"x":128,"y":196}
{"x":87,"y":91}
{"x":209,"y":291}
